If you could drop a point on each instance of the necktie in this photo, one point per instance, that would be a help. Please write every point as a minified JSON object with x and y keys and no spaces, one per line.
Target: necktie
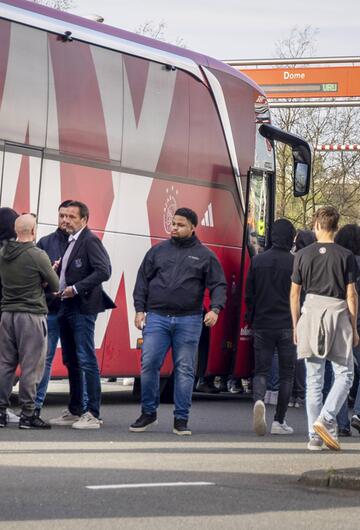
{"x":64,"y":263}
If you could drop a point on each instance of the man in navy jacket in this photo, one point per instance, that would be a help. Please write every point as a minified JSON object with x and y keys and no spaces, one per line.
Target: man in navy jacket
{"x":168,"y":299}
{"x":54,"y":245}
{"x":83,"y":268}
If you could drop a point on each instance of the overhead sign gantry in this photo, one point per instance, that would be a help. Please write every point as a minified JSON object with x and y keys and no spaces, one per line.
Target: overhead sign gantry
{"x":306,"y":80}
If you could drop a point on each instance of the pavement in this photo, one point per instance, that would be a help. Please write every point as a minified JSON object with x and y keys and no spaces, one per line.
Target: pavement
{"x":223,"y":475}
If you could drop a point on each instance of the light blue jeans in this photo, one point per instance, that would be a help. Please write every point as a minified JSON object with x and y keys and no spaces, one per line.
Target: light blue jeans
{"x":343,"y":377}
{"x":182,"y":334}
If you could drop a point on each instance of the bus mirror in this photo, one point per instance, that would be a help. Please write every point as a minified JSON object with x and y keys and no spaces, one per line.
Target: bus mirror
{"x":301,"y":179}
{"x":301,"y":156}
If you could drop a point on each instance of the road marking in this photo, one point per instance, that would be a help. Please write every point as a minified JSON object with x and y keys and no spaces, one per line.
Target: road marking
{"x":149,"y":485}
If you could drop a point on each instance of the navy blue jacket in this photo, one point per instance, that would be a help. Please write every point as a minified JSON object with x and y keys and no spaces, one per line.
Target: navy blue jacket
{"x":54,"y":245}
{"x":174,"y":275}
{"x":88,"y":266}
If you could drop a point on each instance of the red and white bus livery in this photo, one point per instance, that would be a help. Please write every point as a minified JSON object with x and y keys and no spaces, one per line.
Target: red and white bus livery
{"x":135,"y":128}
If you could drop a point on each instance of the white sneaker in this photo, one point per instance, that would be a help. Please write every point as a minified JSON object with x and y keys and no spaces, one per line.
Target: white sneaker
{"x":315,"y":443}
{"x":87,"y":421}
{"x":273,"y":397}
{"x":11,"y":416}
{"x":281,"y":428}
{"x":259,"y":418}
{"x":66,"y":418}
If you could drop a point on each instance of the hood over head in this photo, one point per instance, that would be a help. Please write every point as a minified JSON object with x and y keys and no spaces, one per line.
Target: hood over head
{"x":7,"y":222}
{"x":282,"y":234}
{"x":304,"y":238}
{"x":13,"y":249}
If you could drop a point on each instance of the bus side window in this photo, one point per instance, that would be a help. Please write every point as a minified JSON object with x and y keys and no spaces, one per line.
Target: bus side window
{"x":21,"y":170}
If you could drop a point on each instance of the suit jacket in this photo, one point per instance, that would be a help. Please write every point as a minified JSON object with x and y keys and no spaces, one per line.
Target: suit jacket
{"x":88,"y":266}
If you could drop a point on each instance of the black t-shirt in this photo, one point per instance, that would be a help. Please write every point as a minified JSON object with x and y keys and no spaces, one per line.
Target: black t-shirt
{"x":325,"y":269}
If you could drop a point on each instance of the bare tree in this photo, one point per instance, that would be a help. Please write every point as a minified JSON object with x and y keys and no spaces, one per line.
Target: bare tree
{"x":301,"y":42}
{"x":62,"y":5}
{"x":158,"y":31}
{"x":334,"y":175}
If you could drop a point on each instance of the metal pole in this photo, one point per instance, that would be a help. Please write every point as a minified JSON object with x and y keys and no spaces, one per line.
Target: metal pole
{"x":290,"y":60}
{"x":311,"y":104}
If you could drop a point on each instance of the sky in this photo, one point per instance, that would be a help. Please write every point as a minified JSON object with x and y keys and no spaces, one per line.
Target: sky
{"x":238,"y":29}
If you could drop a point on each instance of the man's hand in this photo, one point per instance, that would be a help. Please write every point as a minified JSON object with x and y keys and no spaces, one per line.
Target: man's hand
{"x":139,"y":320}
{"x":68,"y":292}
{"x":356,"y":338}
{"x":210,"y":319}
{"x":295,"y":336}
{"x":56,"y":264}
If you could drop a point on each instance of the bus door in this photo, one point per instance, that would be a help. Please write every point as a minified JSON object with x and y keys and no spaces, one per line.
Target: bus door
{"x":1,"y":161}
{"x":260,"y":204}
{"x":20,"y":182}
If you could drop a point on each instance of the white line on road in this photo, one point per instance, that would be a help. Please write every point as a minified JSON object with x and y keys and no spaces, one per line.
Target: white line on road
{"x":149,"y":485}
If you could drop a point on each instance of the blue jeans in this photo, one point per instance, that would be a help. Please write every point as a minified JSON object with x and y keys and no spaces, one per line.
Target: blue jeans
{"x":356,"y":352}
{"x":182,"y":334}
{"x":78,"y":346}
{"x":343,"y":376}
{"x":342,"y":417}
{"x":53,"y":337}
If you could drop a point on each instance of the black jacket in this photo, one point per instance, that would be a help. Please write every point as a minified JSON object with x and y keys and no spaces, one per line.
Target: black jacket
{"x":54,"y":245}
{"x":269,"y":281}
{"x":88,"y":266}
{"x":174,"y":275}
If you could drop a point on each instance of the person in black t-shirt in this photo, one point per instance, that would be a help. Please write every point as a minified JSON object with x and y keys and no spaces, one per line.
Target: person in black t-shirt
{"x":327,"y":326}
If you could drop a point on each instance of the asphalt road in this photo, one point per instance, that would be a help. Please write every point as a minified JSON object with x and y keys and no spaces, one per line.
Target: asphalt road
{"x":221,"y":477}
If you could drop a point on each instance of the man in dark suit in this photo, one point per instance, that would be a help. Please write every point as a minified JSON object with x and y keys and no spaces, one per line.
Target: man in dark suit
{"x":84,"y":266}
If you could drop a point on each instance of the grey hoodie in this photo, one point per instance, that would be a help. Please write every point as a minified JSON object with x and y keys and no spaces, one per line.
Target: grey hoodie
{"x":24,"y":269}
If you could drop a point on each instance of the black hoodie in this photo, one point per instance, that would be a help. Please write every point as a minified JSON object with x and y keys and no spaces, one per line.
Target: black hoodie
{"x":269,"y":280}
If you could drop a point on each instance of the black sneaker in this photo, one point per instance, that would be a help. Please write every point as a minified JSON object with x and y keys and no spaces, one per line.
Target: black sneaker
{"x":207,"y":388}
{"x":143,"y":422}
{"x":355,"y":422}
{"x":3,"y":419}
{"x":344,"y":433}
{"x":33,"y":422}
{"x":181,"y":428}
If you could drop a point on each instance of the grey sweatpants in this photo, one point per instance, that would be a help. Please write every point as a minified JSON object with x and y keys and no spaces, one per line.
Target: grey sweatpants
{"x":23,"y":341}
